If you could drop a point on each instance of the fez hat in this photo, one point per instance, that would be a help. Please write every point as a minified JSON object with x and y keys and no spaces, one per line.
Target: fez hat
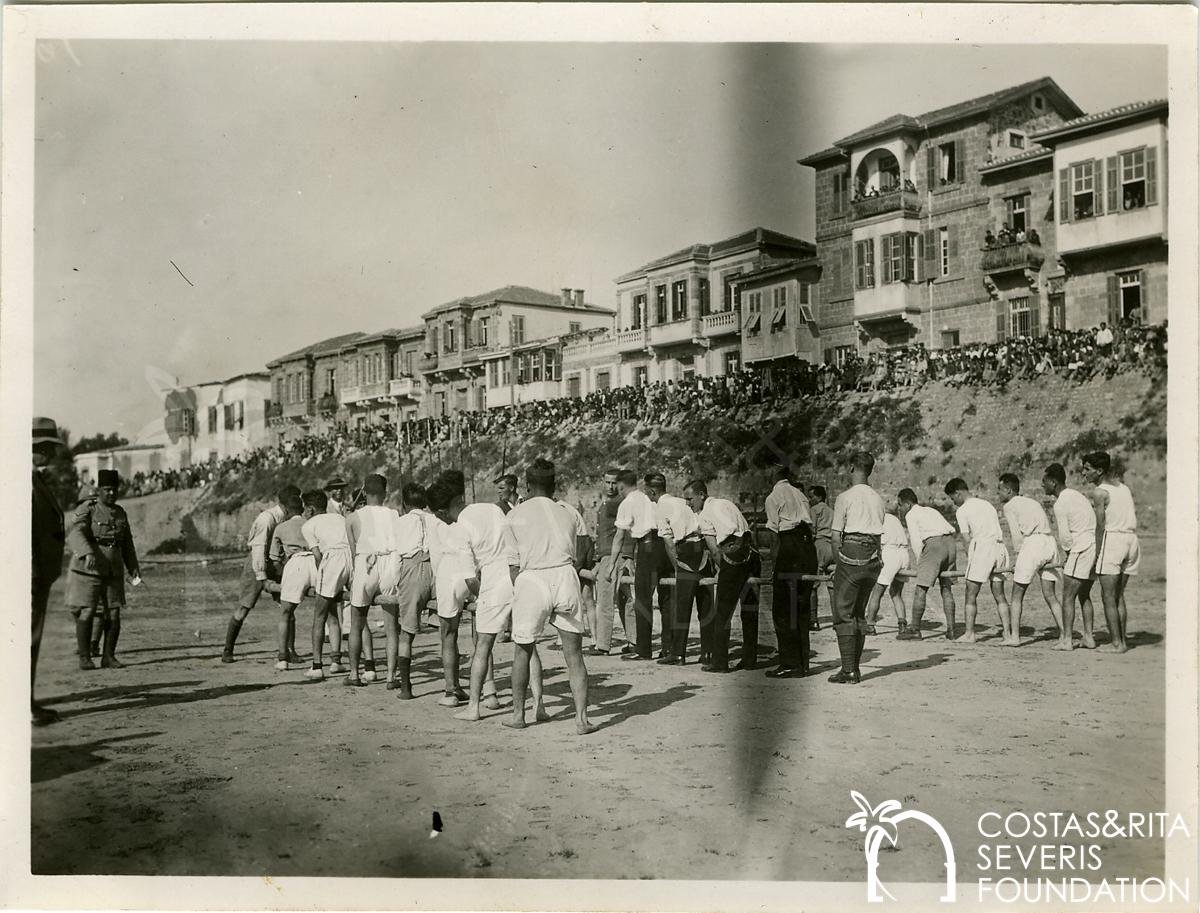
{"x":108,"y":478}
{"x":45,"y":431}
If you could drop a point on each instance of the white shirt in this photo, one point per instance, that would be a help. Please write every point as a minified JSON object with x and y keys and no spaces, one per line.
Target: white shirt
{"x":636,"y":514}
{"x":372,"y":530}
{"x":924,"y":523}
{"x":544,"y":533}
{"x":1025,"y":517}
{"x":335,"y":507}
{"x":487,"y":537}
{"x":859,"y":509}
{"x":1076,"y":521}
{"x":977,"y":519}
{"x":326,"y":532}
{"x":436,"y":533}
{"x":786,"y":508}
{"x":261,"y":531}
{"x":721,"y":519}
{"x":893,"y":532}
{"x":675,"y":519}
{"x":576,"y":517}
{"x":410,"y":533}
{"x":1119,"y":515}
{"x":1104,"y":337}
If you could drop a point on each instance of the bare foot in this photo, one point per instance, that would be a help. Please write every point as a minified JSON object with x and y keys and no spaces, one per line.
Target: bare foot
{"x":1115,"y":648}
{"x":491,"y":702}
{"x":1012,"y":642}
{"x":585,"y":728}
{"x":470,"y":714}
{"x":1063,"y":645}
{"x":449,"y":700}
{"x":541,"y":715}
{"x":1088,"y":642}
{"x":514,"y":724}
{"x":967,"y":638}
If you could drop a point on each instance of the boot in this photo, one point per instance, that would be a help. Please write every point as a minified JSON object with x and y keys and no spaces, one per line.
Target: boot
{"x":847,"y":646}
{"x":749,"y":642}
{"x":231,"y":635}
{"x":860,"y":643}
{"x":98,"y":626}
{"x":404,"y":670}
{"x":111,"y":633}
{"x":83,"y":643}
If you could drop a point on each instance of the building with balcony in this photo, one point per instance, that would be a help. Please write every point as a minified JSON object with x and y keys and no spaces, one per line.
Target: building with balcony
{"x":305,"y":387}
{"x":1110,"y":172}
{"x":589,"y":362}
{"x":523,"y":373}
{"x":677,"y":316}
{"x":377,"y":378}
{"x":903,"y":210}
{"x":465,"y":337}
{"x":212,"y":421}
{"x":778,"y":316}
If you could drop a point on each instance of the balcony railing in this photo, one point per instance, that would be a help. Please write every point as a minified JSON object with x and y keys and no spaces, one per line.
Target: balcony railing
{"x":603,"y":345}
{"x":404,"y":386}
{"x":721,"y":323}
{"x":351,"y":395}
{"x":299,"y":409}
{"x":630,"y":340}
{"x":1017,"y":255}
{"x":676,"y":331}
{"x":327,"y":403}
{"x":428,"y":362}
{"x":891,"y":201}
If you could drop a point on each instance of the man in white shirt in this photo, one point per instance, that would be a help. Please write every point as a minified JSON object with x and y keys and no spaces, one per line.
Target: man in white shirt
{"x":679,"y":529}
{"x":451,"y":569}
{"x":636,"y":520}
{"x":372,"y":541}
{"x":328,"y":538}
{"x":254,"y":571}
{"x":1076,"y":522}
{"x":546,"y":589}
{"x":858,"y":514}
{"x":1036,"y":551}
{"x":406,"y":583}
{"x":932,"y":541}
{"x":1118,"y":551}
{"x":987,"y":558}
{"x":793,"y":554}
{"x":728,"y":540}
{"x":894,"y":557}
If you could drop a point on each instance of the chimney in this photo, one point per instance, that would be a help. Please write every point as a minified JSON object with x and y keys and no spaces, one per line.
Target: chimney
{"x":566,"y":297}
{"x":578,"y":297}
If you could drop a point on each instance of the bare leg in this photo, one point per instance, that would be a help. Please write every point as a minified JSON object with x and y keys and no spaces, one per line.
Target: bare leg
{"x":391,"y":627}
{"x":287,"y":627}
{"x":535,"y":687}
{"x":1070,"y":589}
{"x":320,"y":611}
{"x":358,"y":620}
{"x":877,"y":592}
{"x":480,"y":663}
{"x":1055,"y":607}
{"x":972,"y":609}
{"x":1016,"y":607}
{"x":1089,"y":614}
{"x":1013,"y":634}
{"x":572,"y":645}
{"x":896,"y":593}
{"x":449,"y":633}
{"x":520,"y":683}
{"x":1124,"y":608}
{"x":948,"y":610}
{"x":1112,"y":588}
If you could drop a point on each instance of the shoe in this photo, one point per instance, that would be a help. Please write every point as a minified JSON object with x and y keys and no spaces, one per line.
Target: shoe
{"x":226,"y":657}
{"x":626,"y":649}
{"x":636,"y":657}
{"x":450,"y":700}
{"x":85,"y":662}
{"x":96,"y":650}
{"x":595,"y":651}
{"x":814,"y":625}
{"x":294,"y":657}
{"x":717,"y":669}
{"x":111,"y":662}
{"x":369,"y":675}
{"x":315,"y":674}
{"x":783,"y":672}
{"x":461,"y":695}
{"x":44,"y":716}
{"x":745,"y":666}
{"x":281,"y":665}
{"x":845,"y":678}
{"x":670,"y":661}
{"x":336,"y":668}
{"x":870,"y":629}
{"x":909,"y":634}
{"x":354,"y":681}
{"x":393,"y":684}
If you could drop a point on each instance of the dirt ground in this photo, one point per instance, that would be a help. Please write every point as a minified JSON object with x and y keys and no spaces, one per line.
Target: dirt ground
{"x":179,"y":765}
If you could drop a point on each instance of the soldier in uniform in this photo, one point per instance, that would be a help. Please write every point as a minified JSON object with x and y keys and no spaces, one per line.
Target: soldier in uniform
{"x":48,"y":539}
{"x":101,"y":552}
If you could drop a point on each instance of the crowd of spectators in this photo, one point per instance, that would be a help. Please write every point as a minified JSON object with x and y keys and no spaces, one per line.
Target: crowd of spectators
{"x":1076,"y":355}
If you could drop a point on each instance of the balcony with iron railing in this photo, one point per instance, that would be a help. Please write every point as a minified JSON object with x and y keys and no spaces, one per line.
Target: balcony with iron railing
{"x":300,"y":409}
{"x":405,"y":386}
{"x":1012,"y":257}
{"x":327,"y":403}
{"x":906,"y":201}
{"x":675,"y":332}
{"x":589,"y":348}
{"x":722,"y":323}
{"x":631,"y":340}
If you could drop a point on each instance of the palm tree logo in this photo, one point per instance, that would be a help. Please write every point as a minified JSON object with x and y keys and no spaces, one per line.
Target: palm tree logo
{"x":880,"y":823}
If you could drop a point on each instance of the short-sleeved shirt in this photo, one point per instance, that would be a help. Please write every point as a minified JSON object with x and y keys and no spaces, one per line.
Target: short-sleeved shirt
{"x":606,"y":524}
{"x":859,"y":509}
{"x":576,"y":517}
{"x":924,"y":523}
{"x":263,"y":528}
{"x":822,"y":515}
{"x":977,"y":519}
{"x":893,"y":532}
{"x":544,"y":533}
{"x":485,"y":532}
{"x":410,"y":533}
{"x":1025,"y":517}
{"x":326,"y":532}
{"x":786,"y":508}
{"x":372,"y":529}
{"x":1076,"y":520}
{"x":721,"y":519}
{"x":1119,"y":515}
{"x":636,"y":514}
{"x":288,"y":539}
{"x":675,"y":518}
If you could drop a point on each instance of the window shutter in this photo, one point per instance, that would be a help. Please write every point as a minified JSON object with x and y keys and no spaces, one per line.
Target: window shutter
{"x":1143,"y":298}
{"x":1114,"y":184}
{"x":1001,"y":321}
{"x":885,"y":259}
{"x":930,"y":257}
{"x":1064,"y":195}
{"x":1098,"y":185}
{"x":930,"y":167}
{"x":952,"y":246}
{"x":960,"y":165}
{"x":1035,"y":317}
{"x":1114,"y":300}
{"x":858,"y":265}
{"x":847,"y":271}
{"x":1151,"y":181}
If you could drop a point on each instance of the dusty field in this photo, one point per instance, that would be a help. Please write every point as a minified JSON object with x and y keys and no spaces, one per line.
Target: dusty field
{"x":181,"y":765}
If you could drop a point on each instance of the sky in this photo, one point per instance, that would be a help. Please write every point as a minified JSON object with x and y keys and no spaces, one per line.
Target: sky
{"x":203,"y":207}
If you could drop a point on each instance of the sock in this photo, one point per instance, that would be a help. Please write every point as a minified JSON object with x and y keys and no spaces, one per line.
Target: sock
{"x":860,"y":642}
{"x":83,"y":638}
{"x":317,"y":665}
{"x":404,"y":669}
{"x":111,"y":633}
{"x":231,"y":633}
{"x":368,"y":665}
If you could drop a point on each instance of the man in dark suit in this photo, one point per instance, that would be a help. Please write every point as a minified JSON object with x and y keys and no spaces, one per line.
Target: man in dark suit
{"x":48,"y":539}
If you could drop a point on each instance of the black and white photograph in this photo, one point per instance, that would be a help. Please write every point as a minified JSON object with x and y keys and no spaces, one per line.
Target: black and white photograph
{"x":716,"y":461}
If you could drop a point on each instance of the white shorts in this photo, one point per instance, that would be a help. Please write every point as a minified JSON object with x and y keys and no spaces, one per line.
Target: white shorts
{"x":1120,"y":553}
{"x":451,"y":594}
{"x":365,"y":584}
{"x":333,"y":573}
{"x":986,"y":558}
{"x":1037,"y":551}
{"x":299,"y":574}
{"x":1080,"y":564}
{"x":546,"y":594}
{"x":493,"y":605}
{"x":895,"y":559}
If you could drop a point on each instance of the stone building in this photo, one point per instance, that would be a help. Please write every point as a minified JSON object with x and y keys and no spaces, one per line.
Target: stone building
{"x":903,"y":208}
{"x":379,"y":378}
{"x":778,"y":316}
{"x":304,"y":388}
{"x":213,"y":420}
{"x":1110,"y":170}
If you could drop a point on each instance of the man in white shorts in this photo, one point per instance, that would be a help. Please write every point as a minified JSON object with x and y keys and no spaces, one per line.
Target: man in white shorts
{"x":1076,"y":522}
{"x":933,"y":543}
{"x":893,"y":552}
{"x":1036,"y":551}
{"x":451,"y":570}
{"x":546,"y":590}
{"x":1118,"y":552}
{"x":987,"y":558}
{"x":292,"y":564}
{"x":328,"y":537}
{"x":406,"y":585}
{"x":373,"y":543}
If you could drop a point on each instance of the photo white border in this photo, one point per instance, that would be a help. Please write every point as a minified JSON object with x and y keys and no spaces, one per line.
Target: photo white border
{"x":1174,"y":26}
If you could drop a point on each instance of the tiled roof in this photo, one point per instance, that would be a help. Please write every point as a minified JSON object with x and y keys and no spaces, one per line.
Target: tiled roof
{"x":1088,"y":122}
{"x":513,"y":294}
{"x":393,"y":333}
{"x":780,"y":267}
{"x":833,"y":152}
{"x":319,"y":348}
{"x":704,"y":252}
{"x":1028,"y":155}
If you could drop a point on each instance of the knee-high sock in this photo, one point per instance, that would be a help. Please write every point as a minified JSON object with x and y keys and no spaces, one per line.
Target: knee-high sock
{"x":83,"y":637}
{"x":404,"y":670}
{"x":111,"y":633}
{"x":231,"y":632}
